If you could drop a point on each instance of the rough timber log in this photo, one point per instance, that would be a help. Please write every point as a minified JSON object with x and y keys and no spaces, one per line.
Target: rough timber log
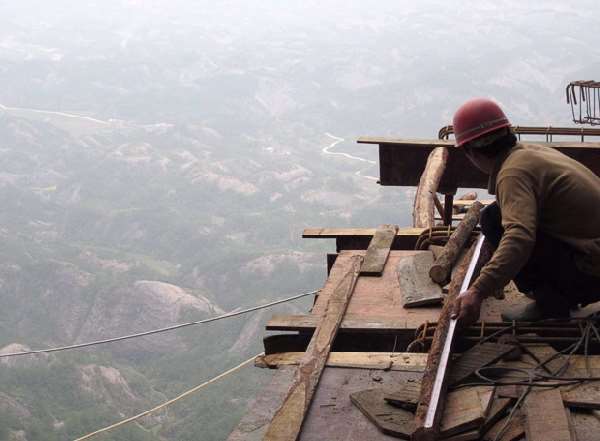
{"x":436,"y":354}
{"x":440,"y":270}
{"x":423,"y":213}
{"x":287,"y":422}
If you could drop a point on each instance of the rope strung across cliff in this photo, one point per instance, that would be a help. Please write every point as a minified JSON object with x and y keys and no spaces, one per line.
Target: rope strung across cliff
{"x":171,"y":401}
{"x":159,"y":330}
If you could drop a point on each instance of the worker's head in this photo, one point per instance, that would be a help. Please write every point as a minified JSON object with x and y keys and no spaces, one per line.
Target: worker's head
{"x":482,"y":129}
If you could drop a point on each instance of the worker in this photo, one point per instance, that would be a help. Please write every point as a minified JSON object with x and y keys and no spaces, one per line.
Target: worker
{"x":544,"y":227}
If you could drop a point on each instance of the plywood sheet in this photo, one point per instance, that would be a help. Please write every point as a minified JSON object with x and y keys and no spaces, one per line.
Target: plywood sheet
{"x":382,"y":297}
{"x":333,"y":417}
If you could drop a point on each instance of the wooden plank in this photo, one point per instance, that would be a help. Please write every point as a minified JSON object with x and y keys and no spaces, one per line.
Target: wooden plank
{"x":466,"y":409}
{"x":387,"y":418}
{"x":436,"y":359}
{"x":394,"y":361}
{"x":376,"y":297}
{"x":333,"y":417}
{"x":515,"y":430}
{"x":350,"y":323}
{"x":415,"y":284}
{"x":469,"y":202}
{"x":333,"y":233}
{"x":406,"y":395}
{"x":476,"y":358}
{"x":498,"y":409}
{"x":378,"y":251}
{"x":442,"y":267}
{"x":287,"y":422}
{"x":546,"y":418}
{"x":423,"y":210}
{"x":465,"y":436}
{"x":582,"y":396}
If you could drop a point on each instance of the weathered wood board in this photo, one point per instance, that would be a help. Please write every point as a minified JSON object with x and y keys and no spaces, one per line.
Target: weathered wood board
{"x":415,"y":284}
{"x":515,"y":429}
{"x":287,"y":421}
{"x":376,"y":296}
{"x":376,"y":305}
{"x":405,"y":395}
{"x":466,"y":409}
{"x":395,"y":361}
{"x":333,"y":417}
{"x":378,"y":251}
{"x":546,"y":417}
{"x":498,"y":409}
{"x":389,"y":419}
{"x":475,"y":358}
{"x":582,"y":396}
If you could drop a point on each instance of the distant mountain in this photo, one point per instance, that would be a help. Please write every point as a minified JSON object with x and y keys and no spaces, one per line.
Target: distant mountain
{"x":159,"y":160}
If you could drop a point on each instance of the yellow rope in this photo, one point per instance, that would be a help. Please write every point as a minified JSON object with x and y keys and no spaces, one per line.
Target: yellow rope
{"x":167,"y":403}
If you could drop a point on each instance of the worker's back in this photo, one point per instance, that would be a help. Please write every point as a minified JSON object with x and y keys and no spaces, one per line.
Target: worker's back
{"x":567,"y":194}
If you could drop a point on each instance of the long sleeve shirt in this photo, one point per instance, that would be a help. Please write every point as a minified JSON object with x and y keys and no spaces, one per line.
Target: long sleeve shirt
{"x":540,"y":189}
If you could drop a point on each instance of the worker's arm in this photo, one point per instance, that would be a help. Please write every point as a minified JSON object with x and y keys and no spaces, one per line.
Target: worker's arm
{"x":519,"y":206}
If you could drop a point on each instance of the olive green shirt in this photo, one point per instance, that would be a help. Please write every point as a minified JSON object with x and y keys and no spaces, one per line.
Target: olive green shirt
{"x":540,"y":189}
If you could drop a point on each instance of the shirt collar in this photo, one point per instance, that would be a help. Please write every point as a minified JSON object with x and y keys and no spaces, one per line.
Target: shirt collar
{"x":497,"y":167}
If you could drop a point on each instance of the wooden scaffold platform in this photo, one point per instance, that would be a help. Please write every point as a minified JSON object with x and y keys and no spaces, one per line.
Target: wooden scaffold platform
{"x":359,"y":364}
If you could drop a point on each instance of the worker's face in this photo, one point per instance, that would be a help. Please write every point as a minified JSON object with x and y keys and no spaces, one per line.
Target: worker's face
{"x":482,"y":162}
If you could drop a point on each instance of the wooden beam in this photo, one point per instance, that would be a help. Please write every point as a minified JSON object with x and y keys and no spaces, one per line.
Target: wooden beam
{"x":442,"y":267}
{"x":546,"y":417}
{"x":350,"y":323}
{"x":434,"y":382}
{"x":334,"y":233}
{"x":469,"y":202}
{"x":401,"y":161}
{"x":393,"y":361}
{"x":378,"y":251}
{"x":475,"y":358}
{"x":287,"y":421}
{"x":466,"y":409}
{"x":423,"y":210}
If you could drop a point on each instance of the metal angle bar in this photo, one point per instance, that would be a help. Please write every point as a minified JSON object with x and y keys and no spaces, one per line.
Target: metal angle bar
{"x":441,"y":370}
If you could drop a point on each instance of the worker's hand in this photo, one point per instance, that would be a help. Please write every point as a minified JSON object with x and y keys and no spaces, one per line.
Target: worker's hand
{"x":466,"y":308}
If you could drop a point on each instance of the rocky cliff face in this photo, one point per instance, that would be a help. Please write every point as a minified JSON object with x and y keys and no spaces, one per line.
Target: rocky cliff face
{"x":142,"y":306}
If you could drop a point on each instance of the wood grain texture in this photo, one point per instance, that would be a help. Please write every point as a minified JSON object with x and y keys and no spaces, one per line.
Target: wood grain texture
{"x":515,"y":430}
{"x":378,"y":251}
{"x":442,"y":267}
{"x":416,"y":286}
{"x":333,"y":417}
{"x":424,"y":207}
{"x":582,"y":396}
{"x":465,"y":410}
{"x":287,"y":422}
{"x":546,"y":417}
{"x":475,"y":358}
{"x":406,"y":395}
{"x":435,"y":353}
{"x":394,"y":361}
{"x":333,"y":233}
{"x":387,"y":418}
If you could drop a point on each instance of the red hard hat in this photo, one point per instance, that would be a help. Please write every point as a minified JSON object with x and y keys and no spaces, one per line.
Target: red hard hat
{"x":476,"y":118}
